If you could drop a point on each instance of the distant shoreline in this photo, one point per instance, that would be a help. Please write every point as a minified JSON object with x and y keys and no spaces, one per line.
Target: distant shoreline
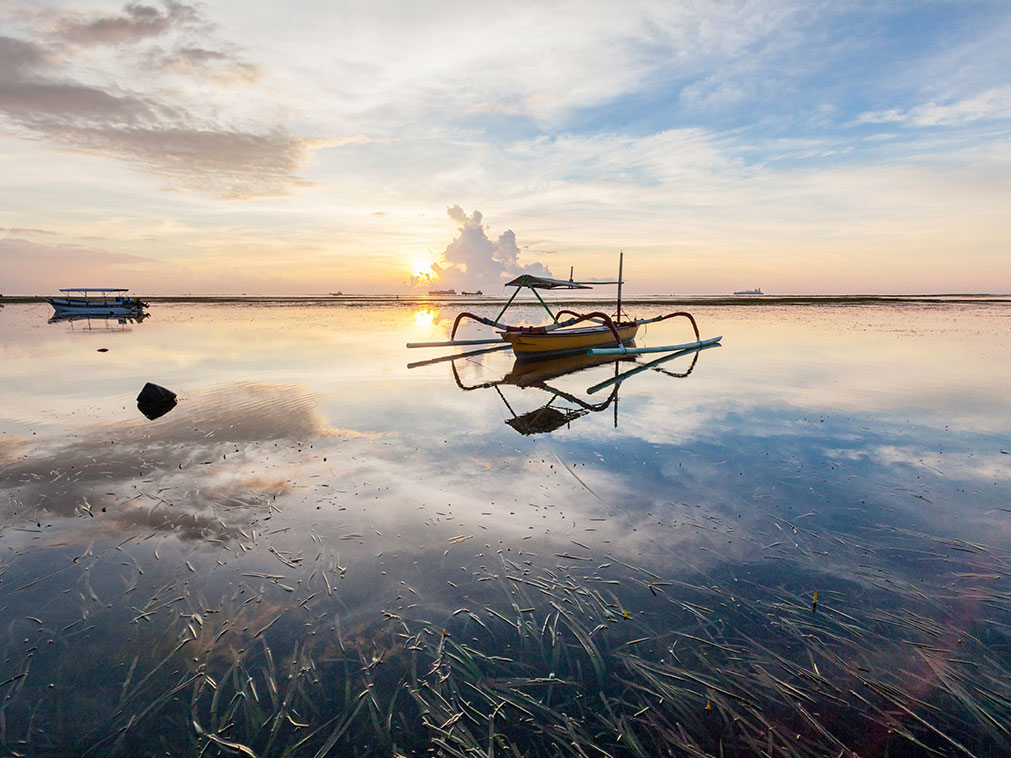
{"x":632,"y":300}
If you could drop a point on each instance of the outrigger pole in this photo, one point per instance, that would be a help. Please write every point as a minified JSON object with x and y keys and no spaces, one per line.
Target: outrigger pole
{"x":659,"y":349}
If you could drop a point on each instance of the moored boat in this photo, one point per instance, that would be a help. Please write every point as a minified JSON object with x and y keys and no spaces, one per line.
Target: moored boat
{"x":537,"y":342}
{"x":576,"y":333}
{"x":96,"y":300}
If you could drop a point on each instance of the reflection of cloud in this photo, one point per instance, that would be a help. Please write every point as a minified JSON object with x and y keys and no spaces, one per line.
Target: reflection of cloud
{"x":982,"y":469}
{"x":199,"y":457}
{"x":472,"y":260}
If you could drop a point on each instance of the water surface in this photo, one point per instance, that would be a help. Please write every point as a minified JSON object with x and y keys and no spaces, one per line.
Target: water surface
{"x":323,"y":551}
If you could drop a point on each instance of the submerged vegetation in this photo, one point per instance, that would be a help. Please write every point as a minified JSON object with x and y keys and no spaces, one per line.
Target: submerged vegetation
{"x":590,"y":656}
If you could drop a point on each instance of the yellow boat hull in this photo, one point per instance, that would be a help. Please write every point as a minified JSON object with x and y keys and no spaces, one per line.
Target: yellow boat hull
{"x":564,"y":341}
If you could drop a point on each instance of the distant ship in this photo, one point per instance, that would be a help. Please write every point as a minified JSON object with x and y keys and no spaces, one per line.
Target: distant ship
{"x":479,"y":292}
{"x":338,"y":293}
{"x":756,"y":291}
{"x":442,"y":292}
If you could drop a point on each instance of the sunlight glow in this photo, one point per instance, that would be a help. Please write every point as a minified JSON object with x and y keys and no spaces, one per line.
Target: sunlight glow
{"x":425,"y":318}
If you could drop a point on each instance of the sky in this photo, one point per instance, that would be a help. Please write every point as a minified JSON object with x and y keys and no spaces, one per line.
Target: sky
{"x":392,"y":147}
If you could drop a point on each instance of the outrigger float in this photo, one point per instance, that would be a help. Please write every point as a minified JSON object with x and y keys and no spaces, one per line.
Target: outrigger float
{"x":601,"y":334}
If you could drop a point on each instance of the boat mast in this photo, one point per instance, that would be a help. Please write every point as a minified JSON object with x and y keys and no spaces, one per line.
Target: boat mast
{"x":621,"y":260}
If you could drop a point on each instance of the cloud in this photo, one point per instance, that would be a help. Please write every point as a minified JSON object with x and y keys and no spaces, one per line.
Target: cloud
{"x":890,"y":116}
{"x":17,"y":56}
{"x":23,"y":230}
{"x":46,"y":95}
{"x":28,"y":267}
{"x":205,"y":64}
{"x":993,"y":103}
{"x":136,"y":22}
{"x":473,"y":261}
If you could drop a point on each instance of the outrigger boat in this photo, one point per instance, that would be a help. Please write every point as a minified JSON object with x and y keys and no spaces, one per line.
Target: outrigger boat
{"x":601,"y":333}
{"x":96,"y":300}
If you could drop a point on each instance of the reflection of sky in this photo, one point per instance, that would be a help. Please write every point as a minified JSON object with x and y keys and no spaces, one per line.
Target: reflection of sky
{"x":843,"y":401}
{"x":804,"y":450}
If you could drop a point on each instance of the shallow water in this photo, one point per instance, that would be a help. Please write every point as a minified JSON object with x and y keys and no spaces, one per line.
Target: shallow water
{"x":321,"y":550}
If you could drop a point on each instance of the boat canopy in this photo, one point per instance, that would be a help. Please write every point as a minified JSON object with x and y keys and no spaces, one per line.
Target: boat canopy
{"x":544,"y":283}
{"x":94,"y":289}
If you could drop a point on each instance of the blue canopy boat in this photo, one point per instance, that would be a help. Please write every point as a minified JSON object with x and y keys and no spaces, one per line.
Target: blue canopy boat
{"x":98,"y":300}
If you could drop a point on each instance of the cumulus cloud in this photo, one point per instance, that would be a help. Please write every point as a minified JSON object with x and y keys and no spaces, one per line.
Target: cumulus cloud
{"x":473,"y":260}
{"x":47,"y":95}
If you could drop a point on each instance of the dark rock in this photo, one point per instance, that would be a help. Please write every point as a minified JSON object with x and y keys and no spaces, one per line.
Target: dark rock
{"x":155,"y":401}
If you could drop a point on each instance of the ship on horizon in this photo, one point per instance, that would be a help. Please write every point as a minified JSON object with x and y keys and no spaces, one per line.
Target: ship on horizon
{"x":756,"y":291}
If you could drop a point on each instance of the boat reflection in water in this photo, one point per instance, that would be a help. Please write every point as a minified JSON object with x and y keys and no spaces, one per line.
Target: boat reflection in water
{"x":564,"y":407}
{"x":89,"y":321}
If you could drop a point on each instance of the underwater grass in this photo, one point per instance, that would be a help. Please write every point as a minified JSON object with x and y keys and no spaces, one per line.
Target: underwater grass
{"x":541,"y":661}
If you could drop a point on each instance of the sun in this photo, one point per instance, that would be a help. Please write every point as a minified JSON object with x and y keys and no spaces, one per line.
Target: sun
{"x":420,"y":266}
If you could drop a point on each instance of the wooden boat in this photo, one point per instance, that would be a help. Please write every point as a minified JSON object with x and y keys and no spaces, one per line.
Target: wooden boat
{"x":96,"y":300}
{"x":563,"y":334}
{"x":537,"y":342}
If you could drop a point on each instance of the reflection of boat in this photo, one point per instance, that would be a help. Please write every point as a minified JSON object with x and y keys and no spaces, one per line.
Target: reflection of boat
{"x":97,"y":300}
{"x":99,"y":319}
{"x":561,"y":337}
{"x":563,"y":406}
{"x":442,"y":292}
{"x":756,"y":291}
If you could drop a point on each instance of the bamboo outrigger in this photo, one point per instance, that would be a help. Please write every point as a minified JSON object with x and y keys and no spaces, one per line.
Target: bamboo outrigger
{"x":601,"y":334}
